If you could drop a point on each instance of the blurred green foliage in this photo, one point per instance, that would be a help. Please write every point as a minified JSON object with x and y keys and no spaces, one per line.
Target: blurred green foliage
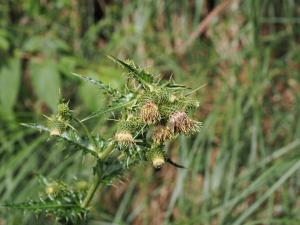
{"x":243,"y":167}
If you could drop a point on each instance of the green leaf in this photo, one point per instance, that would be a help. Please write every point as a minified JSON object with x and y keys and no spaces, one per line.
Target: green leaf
{"x":139,"y":74}
{"x":9,"y":84}
{"x":46,"y":82}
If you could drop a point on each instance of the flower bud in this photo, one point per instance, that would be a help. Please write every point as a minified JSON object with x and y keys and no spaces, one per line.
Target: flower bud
{"x":132,"y":125}
{"x":162,"y":96}
{"x":64,"y":111}
{"x":149,"y":113}
{"x":161,"y":134}
{"x":156,"y":156}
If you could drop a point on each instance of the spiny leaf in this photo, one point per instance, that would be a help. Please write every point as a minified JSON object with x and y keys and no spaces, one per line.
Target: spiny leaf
{"x":111,"y":108}
{"x":107,"y":88}
{"x":139,"y":74}
{"x":39,"y":206}
{"x":62,"y":211}
{"x":58,"y":199}
{"x":68,"y":136}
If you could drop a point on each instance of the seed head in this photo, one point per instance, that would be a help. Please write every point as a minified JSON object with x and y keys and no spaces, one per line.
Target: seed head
{"x":161,"y":134}
{"x":124,"y":138}
{"x":179,"y":122}
{"x":149,"y":113}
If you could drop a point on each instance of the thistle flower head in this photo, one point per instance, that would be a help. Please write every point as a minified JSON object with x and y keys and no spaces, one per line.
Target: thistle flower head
{"x":149,"y":113}
{"x":124,"y":138}
{"x":179,"y":122}
{"x":161,"y":134}
{"x":156,"y":156}
{"x":158,"y":161}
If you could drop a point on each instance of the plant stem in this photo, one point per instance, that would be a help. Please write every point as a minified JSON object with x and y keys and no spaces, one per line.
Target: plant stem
{"x":102,"y":155}
{"x":97,"y":181}
{"x":91,"y":192}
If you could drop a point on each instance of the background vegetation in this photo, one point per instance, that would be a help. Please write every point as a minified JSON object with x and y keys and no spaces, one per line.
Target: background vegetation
{"x":243,"y":168}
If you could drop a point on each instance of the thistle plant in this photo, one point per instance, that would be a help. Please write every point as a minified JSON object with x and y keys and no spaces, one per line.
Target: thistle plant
{"x":149,"y":113}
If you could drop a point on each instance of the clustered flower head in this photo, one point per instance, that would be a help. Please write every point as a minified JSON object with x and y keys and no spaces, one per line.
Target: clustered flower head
{"x":159,"y":112}
{"x":160,"y":115}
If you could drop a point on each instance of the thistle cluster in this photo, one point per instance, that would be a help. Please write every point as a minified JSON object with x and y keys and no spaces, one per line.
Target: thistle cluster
{"x":160,"y":115}
{"x":150,"y":113}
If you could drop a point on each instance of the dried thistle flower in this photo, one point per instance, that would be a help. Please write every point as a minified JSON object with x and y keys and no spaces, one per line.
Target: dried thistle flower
{"x":149,"y":113}
{"x":124,"y":138}
{"x":179,"y":122}
{"x":161,"y":134}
